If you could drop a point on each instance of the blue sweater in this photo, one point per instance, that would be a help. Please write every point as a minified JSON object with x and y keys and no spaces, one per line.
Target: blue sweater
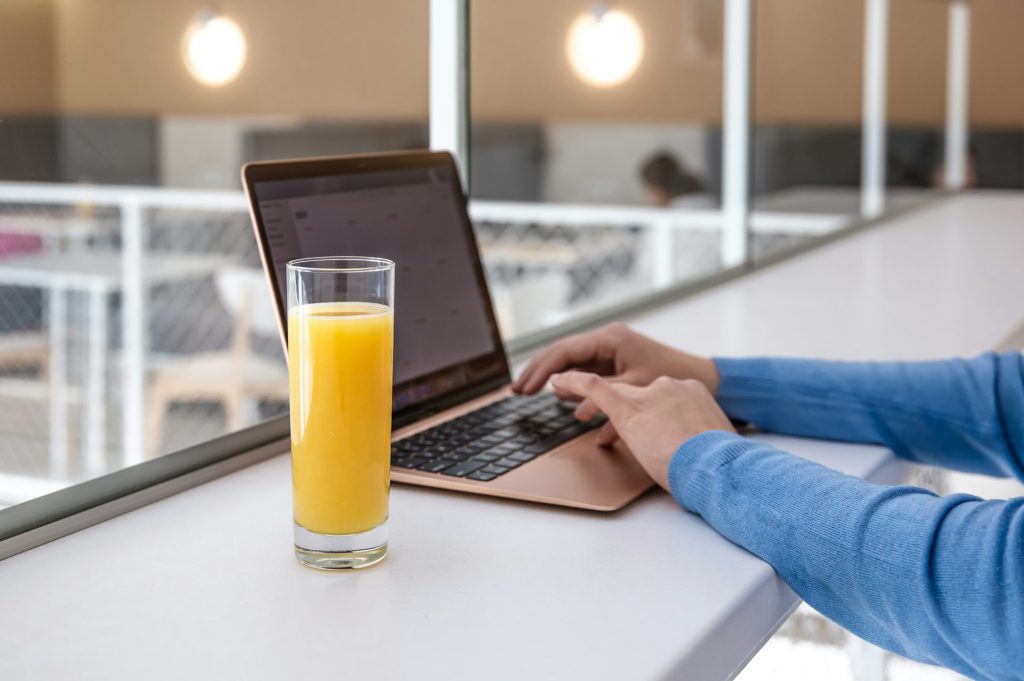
{"x":938,"y":579}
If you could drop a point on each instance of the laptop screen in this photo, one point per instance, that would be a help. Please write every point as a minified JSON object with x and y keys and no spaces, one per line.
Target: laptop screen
{"x":445,"y":334}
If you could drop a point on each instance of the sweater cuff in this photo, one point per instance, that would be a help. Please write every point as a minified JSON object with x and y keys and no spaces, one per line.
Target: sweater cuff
{"x":693,"y":471}
{"x":746,"y":387}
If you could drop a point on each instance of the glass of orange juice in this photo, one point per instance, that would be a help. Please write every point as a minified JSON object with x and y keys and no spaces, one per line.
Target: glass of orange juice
{"x":340,"y":347}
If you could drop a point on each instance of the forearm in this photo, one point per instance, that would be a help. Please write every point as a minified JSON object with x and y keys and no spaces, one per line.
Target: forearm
{"x":937,"y":579}
{"x":964,"y":414}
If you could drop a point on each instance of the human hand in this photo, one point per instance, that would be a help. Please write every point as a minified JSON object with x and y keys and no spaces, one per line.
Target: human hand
{"x":653,"y":420}
{"x":618,"y":353}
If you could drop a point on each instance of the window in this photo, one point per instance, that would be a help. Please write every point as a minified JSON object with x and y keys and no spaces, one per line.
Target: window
{"x":917,"y":83}
{"x":595,"y":152}
{"x":134,"y":319}
{"x":617,"y":153}
{"x":807,"y":121}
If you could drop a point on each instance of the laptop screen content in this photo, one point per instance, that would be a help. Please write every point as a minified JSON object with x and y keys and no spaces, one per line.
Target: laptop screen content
{"x":445,"y":335}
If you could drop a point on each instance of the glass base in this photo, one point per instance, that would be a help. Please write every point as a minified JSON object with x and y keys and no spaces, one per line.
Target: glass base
{"x":341,"y":551}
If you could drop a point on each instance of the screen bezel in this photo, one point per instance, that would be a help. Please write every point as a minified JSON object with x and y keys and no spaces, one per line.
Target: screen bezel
{"x":272,"y":171}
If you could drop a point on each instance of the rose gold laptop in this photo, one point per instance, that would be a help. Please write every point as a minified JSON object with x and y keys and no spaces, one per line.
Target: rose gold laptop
{"x":457,"y":425}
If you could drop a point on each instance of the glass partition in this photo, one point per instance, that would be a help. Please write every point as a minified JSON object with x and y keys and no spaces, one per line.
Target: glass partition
{"x":134,"y":318}
{"x":995,"y":158}
{"x":595,"y":151}
{"x":806,"y":121}
{"x":916,"y":111}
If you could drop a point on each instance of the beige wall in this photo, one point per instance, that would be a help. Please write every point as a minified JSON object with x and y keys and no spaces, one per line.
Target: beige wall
{"x":997,"y":62}
{"x":362,"y":59}
{"x":520,"y":70}
{"x":807,"y":61}
{"x":917,"y":61}
{"x":26,"y":56}
{"x":346,"y":58}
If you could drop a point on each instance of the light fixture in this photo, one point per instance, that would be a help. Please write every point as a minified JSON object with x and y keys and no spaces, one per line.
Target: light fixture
{"x":605,"y":46}
{"x":213,"y":48}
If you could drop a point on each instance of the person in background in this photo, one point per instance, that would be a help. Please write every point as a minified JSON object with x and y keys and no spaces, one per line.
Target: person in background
{"x":937,"y":579}
{"x":670,"y":184}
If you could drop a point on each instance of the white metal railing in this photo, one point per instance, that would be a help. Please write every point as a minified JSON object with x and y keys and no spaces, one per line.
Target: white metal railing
{"x":133,"y":202}
{"x":595,"y":215}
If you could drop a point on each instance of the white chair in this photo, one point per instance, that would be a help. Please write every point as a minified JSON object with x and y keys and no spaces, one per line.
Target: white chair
{"x":235,"y":377}
{"x":530,"y":303}
{"x":24,"y":349}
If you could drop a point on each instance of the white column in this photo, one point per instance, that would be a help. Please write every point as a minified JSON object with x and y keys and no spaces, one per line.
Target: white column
{"x":957,"y":60}
{"x":876,"y":43}
{"x":133,"y":332}
{"x":449,"y":87}
{"x":736,"y":133}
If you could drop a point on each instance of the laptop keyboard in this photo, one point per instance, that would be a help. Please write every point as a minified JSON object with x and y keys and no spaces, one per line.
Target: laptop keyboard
{"x":492,"y":440}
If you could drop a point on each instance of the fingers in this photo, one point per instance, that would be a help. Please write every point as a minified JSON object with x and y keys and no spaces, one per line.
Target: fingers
{"x":607,"y":436}
{"x":604,"y":396}
{"x":586,"y":410}
{"x":559,"y":356}
{"x":567,"y":353}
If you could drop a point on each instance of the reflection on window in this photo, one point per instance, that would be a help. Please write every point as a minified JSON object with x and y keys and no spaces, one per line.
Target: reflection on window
{"x":134,"y":316}
{"x":595,"y":172}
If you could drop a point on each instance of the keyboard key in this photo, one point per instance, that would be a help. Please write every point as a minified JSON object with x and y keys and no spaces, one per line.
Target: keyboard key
{"x":495,"y":469}
{"x":523,"y":456}
{"x":486,"y":458}
{"x":412,"y":462}
{"x":559,"y":438}
{"x":579,"y":428}
{"x":437,"y":466}
{"x":457,"y":455}
{"x":508,"y":462}
{"x":481,"y":476}
{"x":465,"y":468}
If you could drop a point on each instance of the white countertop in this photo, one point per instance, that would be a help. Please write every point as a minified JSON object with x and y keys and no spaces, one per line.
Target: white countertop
{"x":203,"y":584}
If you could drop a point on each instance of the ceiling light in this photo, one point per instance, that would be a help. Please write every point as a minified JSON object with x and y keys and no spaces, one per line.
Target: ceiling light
{"x":605,"y":46}
{"x":213,"y":48}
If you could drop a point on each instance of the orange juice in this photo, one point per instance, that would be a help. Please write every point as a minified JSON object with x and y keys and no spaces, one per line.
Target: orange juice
{"x":339,"y":359}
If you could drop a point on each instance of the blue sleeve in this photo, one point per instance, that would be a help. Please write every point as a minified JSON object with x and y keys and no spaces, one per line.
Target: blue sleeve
{"x":962,"y":414}
{"x":938,"y":579}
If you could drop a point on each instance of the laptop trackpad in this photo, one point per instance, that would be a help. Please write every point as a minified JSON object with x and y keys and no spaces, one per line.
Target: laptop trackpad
{"x":584,"y":448}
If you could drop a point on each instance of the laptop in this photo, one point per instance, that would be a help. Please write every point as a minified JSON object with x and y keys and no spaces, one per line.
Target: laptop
{"x":456,"y":423}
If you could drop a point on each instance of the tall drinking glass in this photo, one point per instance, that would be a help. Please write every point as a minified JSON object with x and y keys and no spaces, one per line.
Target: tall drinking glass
{"x":340,"y":347}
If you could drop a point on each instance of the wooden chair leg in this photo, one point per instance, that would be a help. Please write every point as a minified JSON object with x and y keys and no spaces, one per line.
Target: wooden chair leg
{"x":156,"y":415}
{"x":234,"y":409}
